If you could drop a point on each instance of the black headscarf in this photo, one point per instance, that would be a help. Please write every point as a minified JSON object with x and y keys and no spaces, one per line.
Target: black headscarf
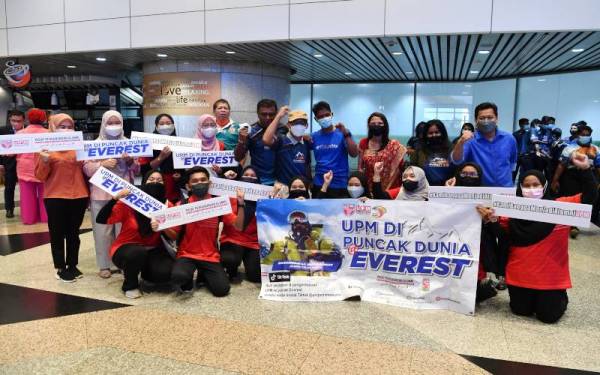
{"x":527,"y":232}
{"x":156,"y":191}
{"x":250,"y":209}
{"x":460,"y":180}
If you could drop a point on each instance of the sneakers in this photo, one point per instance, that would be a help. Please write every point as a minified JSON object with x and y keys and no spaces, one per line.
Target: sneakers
{"x":574,"y":232}
{"x":485,"y":290}
{"x":10,"y":214}
{"x":65,"y":275}
{"x":105,"y":273}
{"x":133,"y":293}
{"x":501,"y":285}
{"x":76,"y":272}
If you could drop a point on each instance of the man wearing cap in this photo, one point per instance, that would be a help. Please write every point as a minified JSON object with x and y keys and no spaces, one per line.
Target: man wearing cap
{"x":292,"y":151}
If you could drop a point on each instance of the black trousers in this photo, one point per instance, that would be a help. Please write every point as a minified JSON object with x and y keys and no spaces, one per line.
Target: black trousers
{"x":233,"y":255}
{"x":10,"y":182}
{"x":212,"y":274}
{"x":64,"y":220}
{"x":547,"y":305}
{"x":154,"y":263}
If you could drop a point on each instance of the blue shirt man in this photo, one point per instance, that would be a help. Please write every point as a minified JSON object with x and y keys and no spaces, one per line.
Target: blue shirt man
{"x":494,"y":150}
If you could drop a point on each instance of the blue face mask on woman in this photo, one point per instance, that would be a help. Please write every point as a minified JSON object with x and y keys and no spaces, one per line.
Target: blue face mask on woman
{"x":584,"y":140}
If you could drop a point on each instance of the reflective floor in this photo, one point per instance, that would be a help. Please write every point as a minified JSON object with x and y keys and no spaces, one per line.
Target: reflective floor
{"x":50,"y":327}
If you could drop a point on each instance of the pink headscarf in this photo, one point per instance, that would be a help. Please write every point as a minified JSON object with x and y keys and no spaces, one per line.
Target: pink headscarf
{"x":56,"y":119}
{"x":208,"y":144}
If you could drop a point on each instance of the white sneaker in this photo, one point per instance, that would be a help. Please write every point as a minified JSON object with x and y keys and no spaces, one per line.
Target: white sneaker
{"x":133,"y":293}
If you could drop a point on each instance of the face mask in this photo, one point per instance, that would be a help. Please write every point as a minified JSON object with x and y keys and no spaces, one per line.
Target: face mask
{"x":526,"y":128}
{"x":437,"y":140}
{"x":325,"y":122}
{"x":155,"y":190}
{"x":376,"y":130}
{"x":536,"y":193}
{"x":486,"y":126}
{"x":200,"y":189}
{"x":297,"y":193}
{"x":297,"y":130}
{"x":355,"y":191}
{"x":468,"y":181}
{"x":248,"y":179}
{"x":165,"y":129}
{"x":584,"y":140}
{"x":410,"y":185}
{"x":113,"y":131}
{"x":208,"y":132}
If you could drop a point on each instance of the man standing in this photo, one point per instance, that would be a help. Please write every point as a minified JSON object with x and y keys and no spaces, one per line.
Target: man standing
{"x":8,"y":163}
{"x":331,"y":146}
{"x":263,"y":157}
{"x":494,"y":150}
{"x":227,"y":129}
{"x":522,"y":137}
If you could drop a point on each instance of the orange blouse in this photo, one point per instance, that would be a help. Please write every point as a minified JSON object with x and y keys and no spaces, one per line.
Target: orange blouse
{"x":62,"y":175}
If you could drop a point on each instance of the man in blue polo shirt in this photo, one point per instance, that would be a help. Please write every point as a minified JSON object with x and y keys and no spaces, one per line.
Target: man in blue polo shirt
{"x":494,"y":150}
{"x":262,"y":156}
{"x":331,"y":146}
{"x":292,"y":151}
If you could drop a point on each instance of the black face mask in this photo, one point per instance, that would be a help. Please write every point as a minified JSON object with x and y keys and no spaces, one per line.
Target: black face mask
{"x":250,"y":180}
{"x":155,"y":190}
{"x":435,"y":141}
{"x":297,"y":193}
{"x":410,"y":185}
{"x":200,"y":189}
{"x":376,"y":130}
{"x":468,"y":181}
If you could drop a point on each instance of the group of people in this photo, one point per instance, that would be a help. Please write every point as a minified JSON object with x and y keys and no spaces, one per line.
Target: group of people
{"x":530,"y":258}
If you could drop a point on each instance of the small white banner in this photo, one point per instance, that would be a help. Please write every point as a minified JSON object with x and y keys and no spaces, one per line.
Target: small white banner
{"x":184,"y":159}
{"x":478,"y":194}
{"x":175,"y":143}
{"x":544,"y":210}
{"x":191,"y":212}
{"x":36,"y":142}
{"x":95,"y":150}
{"x":137,"y":199}
{"x":228,"y":188}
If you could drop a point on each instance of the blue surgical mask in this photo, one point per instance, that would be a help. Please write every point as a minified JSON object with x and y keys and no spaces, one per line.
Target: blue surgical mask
{"x":486,"y":126}
{"x":526,"y":128}
{"x":325,"y":122}
{"x":584,"y":140}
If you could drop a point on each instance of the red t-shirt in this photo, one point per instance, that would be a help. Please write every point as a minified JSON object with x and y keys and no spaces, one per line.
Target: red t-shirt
{"x":393,"y":193}
{"x":129,"y":234}
{"x":200,"y":238}
{"x":543,"y":265}
{"x":247,"y":238}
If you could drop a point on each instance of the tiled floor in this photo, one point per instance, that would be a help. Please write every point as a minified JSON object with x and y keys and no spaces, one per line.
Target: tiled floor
{"x":163,"y":333}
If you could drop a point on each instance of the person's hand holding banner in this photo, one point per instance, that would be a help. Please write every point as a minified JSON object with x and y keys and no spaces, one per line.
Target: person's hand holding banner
{"x":191,"y":212}
{"x":118,"y":148}
{"x":229,"y":188}
{"x":44,"y":155}
{"x":188,"y":159}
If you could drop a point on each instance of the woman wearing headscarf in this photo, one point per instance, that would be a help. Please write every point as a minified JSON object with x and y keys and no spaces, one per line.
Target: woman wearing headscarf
{"x":126,"y":168}
{"x":241,"y":245}
{"x":358,"y":187}
{"x":537,"y":272}
{"x":207,"y":132}
{"x":66,"y":198}
{"x":138,"y":248}
{"x":163,"y":160}
{"x":414,"y":185}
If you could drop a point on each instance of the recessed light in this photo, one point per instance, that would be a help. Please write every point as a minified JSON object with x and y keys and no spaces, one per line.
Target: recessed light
{"x":468,"y":85}
{"x":409,"y":72}
{"x":577,"y":50}
{"x":71,"y":66}
{"x":348,"y":73}
{"x":230,"y":52}
{"x":162,"y":55}
{"x":542,"y":80}
{"x":483,"y":52}
{"x":317,"y":55}
{"x":474,"y":72}
{"x":186,"y":63}
{"x":102,"y":59}
{"x":397,"y":53}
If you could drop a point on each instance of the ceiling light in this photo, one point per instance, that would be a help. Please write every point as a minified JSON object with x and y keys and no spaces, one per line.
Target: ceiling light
{"x":348,"y":73}
{"x":186,"y":63}
{"x":474,"y":72}
{"x":102,"y":59}
{"x":468,"y":85}
{"x":397,"y":53}
{"x":317,"y":55}
{"x":161,"y":55}
{"x":230,"y":52}
{"x":542,"y":80}
{"x":483,"y":52}
{"x":71,"y":66}
{"x":409,"y":72}
{"x":596,"y":101}
{"x":577,"y":50}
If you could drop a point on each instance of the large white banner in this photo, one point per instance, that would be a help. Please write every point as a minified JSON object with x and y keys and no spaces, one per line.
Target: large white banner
{"x":479,"y":194}
{"x":188,"y":159}
{"x":226,"y":187}
{"x":544,"y":210}
{"x":36,"y":142}
{"x":422,"y":255}
{"x":175,"y":143}
{"x":191,"y":212}
{"x":96,"y":150}
{"x":137,"y":199}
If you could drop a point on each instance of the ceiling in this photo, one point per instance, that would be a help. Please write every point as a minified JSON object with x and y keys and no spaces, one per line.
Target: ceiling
{"x":407,"y":58}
